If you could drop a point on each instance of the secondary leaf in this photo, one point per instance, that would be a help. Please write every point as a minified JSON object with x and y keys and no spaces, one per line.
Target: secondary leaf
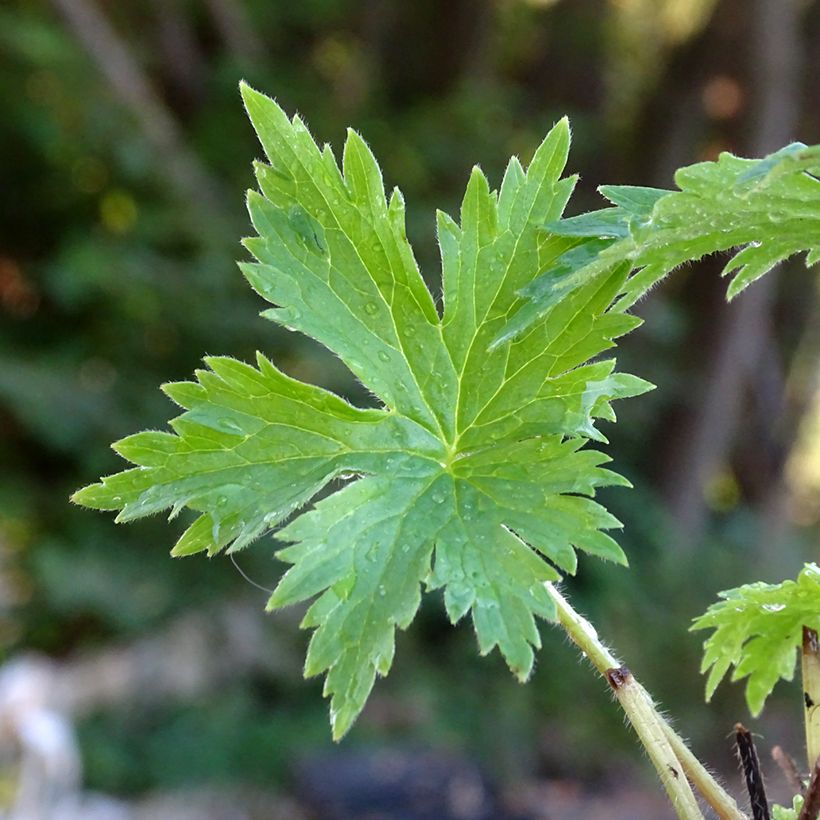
{"x":768,"y":208}
{"x":470,"y":475}
{"x":758,"y":630}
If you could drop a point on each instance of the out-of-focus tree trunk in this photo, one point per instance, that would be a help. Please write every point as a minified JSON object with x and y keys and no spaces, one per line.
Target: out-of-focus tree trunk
{"x":743,"y":333}
{"x":193,"y":183}
{"x":477,"y":21}
{"x":182,"y":59}
{"x":799,"y":388}
{"x":237,"y":32}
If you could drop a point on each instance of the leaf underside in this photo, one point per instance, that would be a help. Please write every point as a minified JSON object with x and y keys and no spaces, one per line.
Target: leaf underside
{"x":758,"y":629}
{"x":470,"y":474}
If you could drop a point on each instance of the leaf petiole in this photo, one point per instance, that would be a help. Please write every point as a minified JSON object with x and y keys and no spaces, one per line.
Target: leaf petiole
{"x":666,"y":749}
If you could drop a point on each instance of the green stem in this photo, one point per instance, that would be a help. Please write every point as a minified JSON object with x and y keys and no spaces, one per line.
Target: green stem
{"x":712,"y":792}
{"x":666,"y":749}
{"x":811,"y":694}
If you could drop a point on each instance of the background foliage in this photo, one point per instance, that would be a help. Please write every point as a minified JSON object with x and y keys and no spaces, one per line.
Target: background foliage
{"x":126,"y":154}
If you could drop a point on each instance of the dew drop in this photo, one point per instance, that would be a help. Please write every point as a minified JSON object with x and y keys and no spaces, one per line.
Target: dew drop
{"x":382,"y":590}
{"x":438,"y":498}
{"x":405,"y":548}
{"x":370,"y":308}
{"x":384,"y":356}
{"x":222,"y":501}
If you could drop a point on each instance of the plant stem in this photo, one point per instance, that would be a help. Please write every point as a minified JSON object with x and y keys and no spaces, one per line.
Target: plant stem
{"x":712,"y":792}
{"x":811,"y":805}
{"x":811,"y":694}
{"x":666,"y":749}
{"x":643,"y":718}
{"x":750,"y":764}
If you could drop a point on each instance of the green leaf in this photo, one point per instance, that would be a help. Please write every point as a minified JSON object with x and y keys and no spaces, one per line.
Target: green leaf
{"x":784,"y":813}
{"x":767,"y":208}
{"x":469,"y":475}
{"x":758,"y":630}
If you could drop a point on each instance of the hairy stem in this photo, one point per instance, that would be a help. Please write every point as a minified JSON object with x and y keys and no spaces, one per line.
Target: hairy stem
{"x":712,"y":792}
{"x":651,"y":733}
{"x":666,"y":749}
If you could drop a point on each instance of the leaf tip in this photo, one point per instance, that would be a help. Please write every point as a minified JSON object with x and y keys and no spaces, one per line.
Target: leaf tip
{"x":736,"y":287}
{"x":564,"y":128}
{"x":83,"y":496}
{"x":250,"y":96}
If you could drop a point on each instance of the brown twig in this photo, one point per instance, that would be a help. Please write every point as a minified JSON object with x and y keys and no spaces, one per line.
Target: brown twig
{"x":751,"y":771}
{"x":811,"y":805}
{"x":789,"y":768}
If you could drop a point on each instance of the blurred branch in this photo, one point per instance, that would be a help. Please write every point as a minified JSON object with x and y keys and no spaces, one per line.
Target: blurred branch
{"x":236,"y":30}
{"x":181,"y":55}
{"x":774,"y":67}
{"x":801,"y":385}
{"x":186,"y":173}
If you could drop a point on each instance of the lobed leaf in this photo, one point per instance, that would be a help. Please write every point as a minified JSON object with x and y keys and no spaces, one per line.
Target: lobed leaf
{"x":469,"y":476}
{"x":769,"y":209}
{"x":758,"y":629}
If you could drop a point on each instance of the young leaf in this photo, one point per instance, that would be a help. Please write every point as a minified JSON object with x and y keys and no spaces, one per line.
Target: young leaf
{"x":758,"y":630}
{"x":469,"y":473}
{"x":786,"y":813}
{"x":769,"y":208}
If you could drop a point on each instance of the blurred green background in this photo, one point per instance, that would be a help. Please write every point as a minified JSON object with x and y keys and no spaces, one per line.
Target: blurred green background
{"x":124,"y":156}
